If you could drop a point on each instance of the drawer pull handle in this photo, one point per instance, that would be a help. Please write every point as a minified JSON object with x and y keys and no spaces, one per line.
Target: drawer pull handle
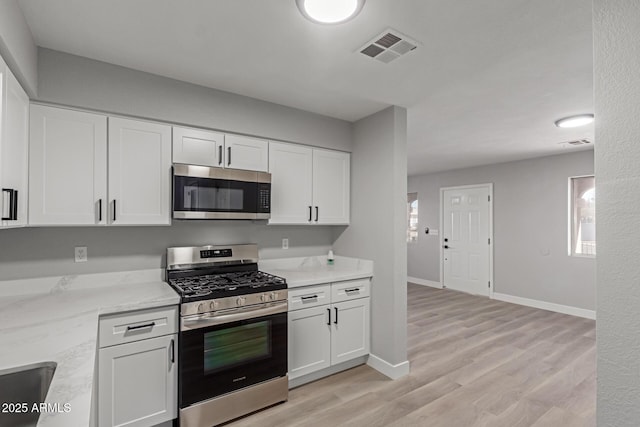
{"x":309,"y":297}
{"x":352,"y":290}
{"x":173,"y":351}
{"x":146,"y":325}
{"x":329,"y":317}
{"x":336,"y":321}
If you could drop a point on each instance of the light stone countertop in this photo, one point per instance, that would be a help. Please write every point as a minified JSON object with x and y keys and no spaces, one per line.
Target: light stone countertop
{"x":306,"y":271}
{"x":56,"y":319}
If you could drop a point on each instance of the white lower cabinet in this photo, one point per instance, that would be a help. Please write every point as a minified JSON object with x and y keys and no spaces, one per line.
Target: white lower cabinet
{"x":137,"y":380}
{"x":323,"y":333}
{"x":350,"y":330}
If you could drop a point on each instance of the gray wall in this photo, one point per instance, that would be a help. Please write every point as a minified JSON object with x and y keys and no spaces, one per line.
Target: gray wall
{"x":81,"y":82}
{"x":17,"y":46}
{"x":617,"y":91}
{"x":530,"y":212}
{"x":378,"y":211}
{"x":39,"y":252}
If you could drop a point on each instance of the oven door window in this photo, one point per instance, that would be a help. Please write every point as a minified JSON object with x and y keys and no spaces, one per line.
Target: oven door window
{"x":214,"y":195}
{"x":219,"y":359}
{"x":230,"y":347}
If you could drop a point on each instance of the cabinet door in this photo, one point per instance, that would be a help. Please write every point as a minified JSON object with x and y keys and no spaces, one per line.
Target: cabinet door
{"x":14,"y":145}
{"x":290,"y":167}
{"x":243,"y":152}
{"x":349,"y":330}
{"x":137,"y":383}
{"x":67,"y":167}
{"x":309,"y":341}
{"x":331,"y":186}
{"x":139,"y":172}
{"x":197,"y":147}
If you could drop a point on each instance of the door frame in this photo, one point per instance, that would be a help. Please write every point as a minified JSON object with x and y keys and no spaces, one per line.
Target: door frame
{"x":488,"y":186}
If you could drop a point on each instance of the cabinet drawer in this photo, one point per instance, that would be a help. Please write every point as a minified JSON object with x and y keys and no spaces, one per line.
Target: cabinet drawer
{"x":311,"y":296}
{"x":351,"y":289}
{"x":137,"y":325}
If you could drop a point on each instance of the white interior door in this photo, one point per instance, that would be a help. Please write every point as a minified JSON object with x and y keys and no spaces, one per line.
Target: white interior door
{"x":466,"y":237}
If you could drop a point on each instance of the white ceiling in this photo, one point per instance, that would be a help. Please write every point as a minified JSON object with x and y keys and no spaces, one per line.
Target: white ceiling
{"x":485,"y":86}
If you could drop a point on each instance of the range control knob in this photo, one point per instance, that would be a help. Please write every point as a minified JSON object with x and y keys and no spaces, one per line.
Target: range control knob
{"x":240,"y":301}
{"x":201,"y":308}
{"x":213,"y":305}
{"x":272,"y":296}
{"x":263,"y":298}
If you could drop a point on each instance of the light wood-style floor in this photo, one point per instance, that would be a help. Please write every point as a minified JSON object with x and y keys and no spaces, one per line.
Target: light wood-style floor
{"x":474,"y":362}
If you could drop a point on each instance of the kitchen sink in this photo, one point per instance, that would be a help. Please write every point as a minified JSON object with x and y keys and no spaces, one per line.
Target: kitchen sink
{"x":20,"y":388}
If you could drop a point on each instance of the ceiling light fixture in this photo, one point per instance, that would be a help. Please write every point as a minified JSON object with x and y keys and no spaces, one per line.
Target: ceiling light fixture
{"x":330,"y":11}
{"x":575,"y":121}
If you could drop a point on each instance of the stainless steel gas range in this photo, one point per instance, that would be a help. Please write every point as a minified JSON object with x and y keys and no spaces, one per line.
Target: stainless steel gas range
{"x":233,"y":333}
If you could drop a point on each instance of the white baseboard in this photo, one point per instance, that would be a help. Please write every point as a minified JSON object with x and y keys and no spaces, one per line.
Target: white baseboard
{"x":558,"y":308}
{"x":424,"y":282}
{"x":392,"y":371}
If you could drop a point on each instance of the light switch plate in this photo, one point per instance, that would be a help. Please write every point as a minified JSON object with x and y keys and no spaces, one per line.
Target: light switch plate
{"x":81,"y":254}
{"x":285,"y":243}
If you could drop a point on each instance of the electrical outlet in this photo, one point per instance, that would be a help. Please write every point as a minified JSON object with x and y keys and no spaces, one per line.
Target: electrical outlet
{"x":285,"y":243}
{"x":81,"y":253}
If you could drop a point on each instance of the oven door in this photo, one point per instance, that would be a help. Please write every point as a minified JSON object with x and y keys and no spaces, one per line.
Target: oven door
{"x":220,"y":358}
{"x":201,"y":192}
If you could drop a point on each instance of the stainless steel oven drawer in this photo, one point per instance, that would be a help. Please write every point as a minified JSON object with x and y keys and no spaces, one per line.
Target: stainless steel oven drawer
{"x":309,"y":296}
{"x":132,"y":326}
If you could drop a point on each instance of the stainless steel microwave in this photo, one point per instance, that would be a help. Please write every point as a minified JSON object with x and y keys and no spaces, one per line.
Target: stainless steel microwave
{"x":202,"y":192}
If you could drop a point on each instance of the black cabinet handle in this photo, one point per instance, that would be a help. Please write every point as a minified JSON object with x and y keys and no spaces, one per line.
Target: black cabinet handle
{"x":99,"y":210}
{"x":146,"y":325}
{"x":309,"y":297}
{"x":446,"y":240}
{"x":13,"y":204}
{"x":310,"y":208}
{"x":114,"y":210}
{"x":352,"y":290}
{"x":173,"y":351}
{"x":228,"y":156}
{"x":446,"y":246}
{"x":219,"y":154}
{"x":316,"y":214}
{"x":336,"y":321}
{"x":329,"y":315}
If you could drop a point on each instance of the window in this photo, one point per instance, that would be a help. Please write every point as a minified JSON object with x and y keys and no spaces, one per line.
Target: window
{"x":412,"y":217}
{"x":582,"y":215}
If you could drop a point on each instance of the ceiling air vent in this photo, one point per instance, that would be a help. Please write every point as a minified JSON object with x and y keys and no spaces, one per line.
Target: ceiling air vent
{"x":577,"y":142}
{"x":388,"y":46}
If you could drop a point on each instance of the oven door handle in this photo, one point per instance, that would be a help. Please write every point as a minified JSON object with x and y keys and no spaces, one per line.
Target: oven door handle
{"x":203,"y":321}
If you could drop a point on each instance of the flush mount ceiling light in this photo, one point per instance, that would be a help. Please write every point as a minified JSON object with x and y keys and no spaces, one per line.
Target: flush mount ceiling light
{"x":575,"y":121}
{"x":330,"y":11}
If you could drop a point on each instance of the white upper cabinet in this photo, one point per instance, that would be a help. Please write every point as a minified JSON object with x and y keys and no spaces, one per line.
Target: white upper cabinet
{"x":139,"y":172}
{"x":291,"y":177}
{"x":68,"y":175}
{"x":243,"y":152}
{"x":67,"y":167}
{"x":331,"y":186}
{"x":208,"y":148}
{"x":198,"y":147}
{"x":308,"y":185}
{"x":14,"y":150}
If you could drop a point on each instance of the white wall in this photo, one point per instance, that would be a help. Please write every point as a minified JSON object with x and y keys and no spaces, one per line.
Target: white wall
{"x":617,"y":110}
{"x":81,"y":82}
{"x":378,"y":198}
{"x":530,"y":206}
{"x":17,"y":46}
